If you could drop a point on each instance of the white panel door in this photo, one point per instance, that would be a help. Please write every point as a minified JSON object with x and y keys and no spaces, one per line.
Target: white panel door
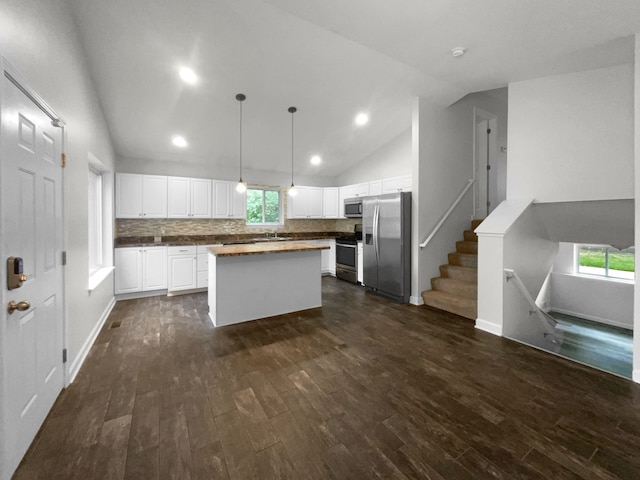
{"x":128,"y":272}
{"x":154,"y":268}
{"x":200,"y":198}
{"x":221,"y":207}
{"x":128,"y":195}
{"x":314,"y":205}
{"x":30,"y":228}
{"x":179,"y":197}
{"x":154,"y":196}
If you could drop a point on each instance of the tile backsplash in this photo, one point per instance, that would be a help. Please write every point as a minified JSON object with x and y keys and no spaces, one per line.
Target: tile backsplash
{"x":214,"y":226}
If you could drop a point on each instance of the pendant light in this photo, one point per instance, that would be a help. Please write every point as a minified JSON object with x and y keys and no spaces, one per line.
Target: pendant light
{"x":292,"y":190}
{"x":241,"y":187}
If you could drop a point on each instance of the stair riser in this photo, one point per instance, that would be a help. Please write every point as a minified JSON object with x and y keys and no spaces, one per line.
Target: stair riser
{"x":466,"y":310}
{"x":463,"y":259}
{"x":455,"y":287}
{"x":460,"y":273}
{"x":469,"y":236}
{"x":467,"y":247}
{"x":475,"y":223}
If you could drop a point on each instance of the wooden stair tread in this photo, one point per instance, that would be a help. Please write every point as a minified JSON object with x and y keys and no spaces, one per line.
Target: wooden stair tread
{"x":451,"y":303}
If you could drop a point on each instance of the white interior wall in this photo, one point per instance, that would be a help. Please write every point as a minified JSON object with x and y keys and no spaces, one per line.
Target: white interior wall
{"x":568,"y":131}
{"x":39,"y":40}
{"x":636,"y":296}
{"x":199,"y":170}
{"x":391,"y":160}
{"x":445,"y":161}
{"x":601,"y":300}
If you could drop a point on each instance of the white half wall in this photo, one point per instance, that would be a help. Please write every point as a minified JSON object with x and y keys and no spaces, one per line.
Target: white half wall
{"x":39,"y":39}
{"x":567,"y":132}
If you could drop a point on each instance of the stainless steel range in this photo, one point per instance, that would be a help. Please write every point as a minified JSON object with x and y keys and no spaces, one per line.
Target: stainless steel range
{"x":347,"y":259}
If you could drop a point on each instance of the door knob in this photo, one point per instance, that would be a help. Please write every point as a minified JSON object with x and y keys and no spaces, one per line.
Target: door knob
{"x":21,"y":306}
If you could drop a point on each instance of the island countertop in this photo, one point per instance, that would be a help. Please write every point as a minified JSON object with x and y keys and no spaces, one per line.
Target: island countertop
{"x":266,"y":247}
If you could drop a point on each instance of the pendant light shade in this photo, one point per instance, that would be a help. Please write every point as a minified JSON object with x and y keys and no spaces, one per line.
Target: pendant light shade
{"x":292,"y":190}
{"x":241,"y":187}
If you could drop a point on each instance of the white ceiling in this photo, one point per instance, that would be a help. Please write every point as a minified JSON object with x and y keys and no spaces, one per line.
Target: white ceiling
{"x":330,"y":59}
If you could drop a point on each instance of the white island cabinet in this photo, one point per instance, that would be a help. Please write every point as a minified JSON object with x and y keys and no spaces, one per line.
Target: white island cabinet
{"x":247,"y":282}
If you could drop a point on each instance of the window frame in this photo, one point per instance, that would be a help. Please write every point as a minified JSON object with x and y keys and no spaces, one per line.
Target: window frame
{"x":96,"y":221}
{"x":280,"y":221}
{"x":606,"y":275}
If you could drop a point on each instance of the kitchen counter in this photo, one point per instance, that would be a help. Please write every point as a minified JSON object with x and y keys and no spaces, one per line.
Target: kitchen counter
{"x":179,"y":240}
{"x":248,"y":282}
{"x":265,"y":247}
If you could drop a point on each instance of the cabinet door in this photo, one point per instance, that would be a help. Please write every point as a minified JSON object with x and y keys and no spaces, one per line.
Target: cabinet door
{"x":128,"y":273}
{"x":341,"y":199}
{"x":375,"y":187}
{"x":330,"y":202}
{"x":332,"y":257}
{"x":397,"y":184}
{"x":200,"y":198}
{"x":360,"y":263}
{"x":220,"y":199}
{"x":154,"y":196}
{"x":297,"y":206}
{"x":154,"y":268}
{"x":314,"y":202}
{"x":179,"y":197}
{"x":128,"y":195}
{"x":182,"y":272}
{"x":238,"y":202}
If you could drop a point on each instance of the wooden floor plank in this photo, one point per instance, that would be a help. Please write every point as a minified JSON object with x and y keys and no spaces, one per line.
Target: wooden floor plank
{"x":360,"y":388}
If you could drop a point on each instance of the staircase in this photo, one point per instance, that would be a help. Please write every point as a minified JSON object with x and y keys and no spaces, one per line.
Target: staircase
{"x":456,"y":289}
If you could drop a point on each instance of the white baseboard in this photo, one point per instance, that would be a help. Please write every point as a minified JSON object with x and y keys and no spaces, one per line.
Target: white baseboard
{"x":636,"y":376}
{"x":74,"y":367}
{"x":489,"y":327}
{"x":416,"y":300}
{"x":593,"y":318}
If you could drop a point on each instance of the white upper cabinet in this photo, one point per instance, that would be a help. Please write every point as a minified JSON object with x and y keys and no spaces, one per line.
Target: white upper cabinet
{"x":331,"y":202}
{"x":375,"y":187}
{"x":306,"y":204}
{"x":189,"y":197}
{"x":397,"y":184}
{"x":141,"y":196}
{"x":227,"y":203}
{"x":358,"y":190}
{"x":342,"y":197}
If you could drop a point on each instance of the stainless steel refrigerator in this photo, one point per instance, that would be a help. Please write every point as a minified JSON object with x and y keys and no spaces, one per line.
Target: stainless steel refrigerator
{"x":386,"y":226}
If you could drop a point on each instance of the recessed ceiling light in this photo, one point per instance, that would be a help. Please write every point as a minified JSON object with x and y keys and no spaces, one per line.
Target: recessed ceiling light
{"x":316,"y":160}
{"x":458,"y":51}
{"x":179,"y":141}
{"x":362,"y":119}
{"x":188,"y":75}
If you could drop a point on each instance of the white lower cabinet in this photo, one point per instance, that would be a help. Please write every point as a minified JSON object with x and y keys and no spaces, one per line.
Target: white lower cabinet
{"x":182,"y":268}
{"x":327,"y":257}
{"x":140,"y":269}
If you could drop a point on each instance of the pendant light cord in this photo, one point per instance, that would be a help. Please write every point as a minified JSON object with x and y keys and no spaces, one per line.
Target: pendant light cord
{"x":292,"y":110}
{"x":240,"y":140}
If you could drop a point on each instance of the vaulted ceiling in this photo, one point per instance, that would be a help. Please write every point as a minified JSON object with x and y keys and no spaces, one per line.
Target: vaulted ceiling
{"x":329,"y":58}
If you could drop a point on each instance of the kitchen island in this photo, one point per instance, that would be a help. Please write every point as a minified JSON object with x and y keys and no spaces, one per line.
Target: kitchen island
{"x":247,"y":282}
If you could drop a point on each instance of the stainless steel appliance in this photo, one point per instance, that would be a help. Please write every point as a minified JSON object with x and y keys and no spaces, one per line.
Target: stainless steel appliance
{"x":347,"y":259}
{"x":386,"y":222}
{"x":353,"y":207}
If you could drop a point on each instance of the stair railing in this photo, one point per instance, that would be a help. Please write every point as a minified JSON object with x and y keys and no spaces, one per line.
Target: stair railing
{"x":548,"y":322}
{"x":448,"y":212}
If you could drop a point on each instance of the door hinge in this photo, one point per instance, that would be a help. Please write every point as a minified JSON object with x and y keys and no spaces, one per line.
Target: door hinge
{"x":488,"y":131}
{"x":63,"y":160}
{"x":64,"y":355}
{"x":488,"y":167}
{"x":64,"y":258}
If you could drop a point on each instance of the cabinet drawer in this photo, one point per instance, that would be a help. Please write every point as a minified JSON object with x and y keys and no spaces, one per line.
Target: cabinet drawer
{"x":182,"y":250}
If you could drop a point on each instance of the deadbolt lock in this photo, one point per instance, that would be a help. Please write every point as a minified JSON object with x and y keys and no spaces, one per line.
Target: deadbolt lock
{"x":15,"y":275}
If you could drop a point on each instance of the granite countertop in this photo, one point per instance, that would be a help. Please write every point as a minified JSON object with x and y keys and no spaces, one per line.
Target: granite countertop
{"x":148,"y":241}
{"x":266,"y":247}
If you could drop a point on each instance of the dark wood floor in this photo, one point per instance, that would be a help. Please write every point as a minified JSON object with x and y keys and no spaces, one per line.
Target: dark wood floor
{"x":360,"y":389}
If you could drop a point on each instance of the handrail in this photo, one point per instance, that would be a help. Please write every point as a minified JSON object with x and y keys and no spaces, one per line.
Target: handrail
{"x":548,"y":322}
{"x":446,"y":215}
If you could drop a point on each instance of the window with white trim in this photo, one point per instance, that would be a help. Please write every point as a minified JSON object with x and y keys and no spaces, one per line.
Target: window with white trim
{"x":264,"y":206}
{"x":96,"y":221}
{"x":606,"y":261}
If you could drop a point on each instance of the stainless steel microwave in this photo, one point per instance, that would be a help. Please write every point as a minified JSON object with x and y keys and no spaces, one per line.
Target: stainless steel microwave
{"x":353,"y":207}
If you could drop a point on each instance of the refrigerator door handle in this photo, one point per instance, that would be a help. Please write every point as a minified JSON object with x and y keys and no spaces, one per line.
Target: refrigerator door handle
{"x":376,"y":220}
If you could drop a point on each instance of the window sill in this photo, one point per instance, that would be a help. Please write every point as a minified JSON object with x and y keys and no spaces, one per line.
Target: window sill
{"x":98,"y":277}
{"x":599,"y":278}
